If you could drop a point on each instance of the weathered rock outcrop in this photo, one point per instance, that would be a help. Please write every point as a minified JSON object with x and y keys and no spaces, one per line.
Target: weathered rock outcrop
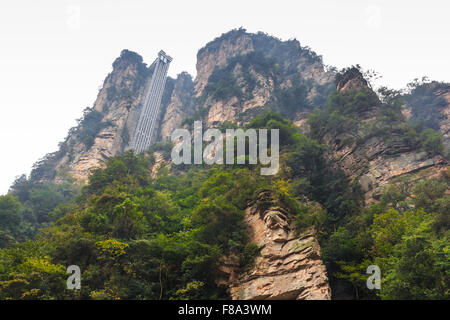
{"x":117,"y":110}
{"x":180,"y":107}
{"x":264,"y":80}
{"x":444,"y":127}
{"x":377,"y":160}
{"x":118,"y":102}
{"x":216,"y":54}
{"x":289,"y":265}
{"x":352,"y":79}
{"x":273,"y":68}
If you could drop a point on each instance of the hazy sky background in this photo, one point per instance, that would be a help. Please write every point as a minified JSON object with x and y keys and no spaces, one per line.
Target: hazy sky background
{"x":55,"y":54}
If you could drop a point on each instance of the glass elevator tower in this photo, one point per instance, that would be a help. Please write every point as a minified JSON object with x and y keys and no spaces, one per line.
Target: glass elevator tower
{"x":144,"y":132}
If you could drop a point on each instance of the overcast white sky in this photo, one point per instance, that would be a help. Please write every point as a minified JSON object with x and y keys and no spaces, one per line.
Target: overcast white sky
{"x":55,"y":54}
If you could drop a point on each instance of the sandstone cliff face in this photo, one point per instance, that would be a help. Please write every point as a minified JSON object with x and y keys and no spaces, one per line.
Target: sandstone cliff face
{"x":120,"y":99}
{"x":233,"y":109}
{"x":289,"y":266}
{"x":445,"y":122}
{"x":352,"y":80}
{"x":444,"y":128}
{"x":118,"y":105}
{"x":273,"y":67}
{"x":118,"y":102}
{"x":376,"y":161}
{"x":289,"y":54}
{"x":180,"y":106}
{"x":217,"y":53}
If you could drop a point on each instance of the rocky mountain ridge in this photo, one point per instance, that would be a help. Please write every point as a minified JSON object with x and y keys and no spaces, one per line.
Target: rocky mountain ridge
{"x":374,"y":159}
{"x":266,"y":73}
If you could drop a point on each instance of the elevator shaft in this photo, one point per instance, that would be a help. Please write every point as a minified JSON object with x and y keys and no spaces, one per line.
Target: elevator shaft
{"x":145,"y":130}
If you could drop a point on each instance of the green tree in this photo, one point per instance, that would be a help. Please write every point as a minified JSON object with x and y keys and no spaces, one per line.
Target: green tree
{"x":10,"y":219}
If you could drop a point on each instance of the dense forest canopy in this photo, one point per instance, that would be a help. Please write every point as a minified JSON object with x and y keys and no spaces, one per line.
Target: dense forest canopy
{"x":137,"y":237}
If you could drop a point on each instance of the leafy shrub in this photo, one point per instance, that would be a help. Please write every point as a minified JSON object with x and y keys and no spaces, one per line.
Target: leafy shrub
{"x":90,"y":125}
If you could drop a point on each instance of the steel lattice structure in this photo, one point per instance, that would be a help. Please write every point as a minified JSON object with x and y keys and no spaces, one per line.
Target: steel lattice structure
{"x":144,"y":132}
